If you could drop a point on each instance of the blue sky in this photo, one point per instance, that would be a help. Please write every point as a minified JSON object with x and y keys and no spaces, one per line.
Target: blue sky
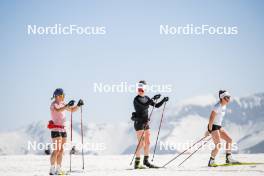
{"x":31,"y":67}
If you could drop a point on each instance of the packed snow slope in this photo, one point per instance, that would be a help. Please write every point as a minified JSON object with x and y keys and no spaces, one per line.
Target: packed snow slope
{"x":118,"y":165}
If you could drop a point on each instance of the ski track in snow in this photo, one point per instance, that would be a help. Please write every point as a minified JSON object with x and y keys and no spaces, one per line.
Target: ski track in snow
{"x":118,"y":165}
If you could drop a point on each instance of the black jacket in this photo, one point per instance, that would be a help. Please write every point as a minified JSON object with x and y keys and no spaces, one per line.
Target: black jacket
{"x":141,"y":105}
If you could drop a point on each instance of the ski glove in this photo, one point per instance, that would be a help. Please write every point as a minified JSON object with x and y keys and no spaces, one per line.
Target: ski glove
{"x":165,"y":99}
{"x":71,"y":103}
{"x":156,"y":97}
{"x":80,"y":103}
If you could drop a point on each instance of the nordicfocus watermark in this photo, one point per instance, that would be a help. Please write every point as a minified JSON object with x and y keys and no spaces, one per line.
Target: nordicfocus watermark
{"x":204,"y":29}
{"x":59,"y":29}
{"x":87,"y":147}
{"x":172,"y":146}
{"x":124,"y":87}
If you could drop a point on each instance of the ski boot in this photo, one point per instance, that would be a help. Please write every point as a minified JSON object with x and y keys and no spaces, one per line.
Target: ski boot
{"x":211,"y":162}
{"x":59,"y":171}
{"x":52,"y":170}
{"x":230,"y":160}
{"x":137,"y":164}
{"x":148,"y":164}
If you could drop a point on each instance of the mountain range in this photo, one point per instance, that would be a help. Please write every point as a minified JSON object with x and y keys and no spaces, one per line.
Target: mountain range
{"x":183,"y":122}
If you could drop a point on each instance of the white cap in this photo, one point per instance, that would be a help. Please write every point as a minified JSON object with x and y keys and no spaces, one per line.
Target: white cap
{"x":225,"y":94}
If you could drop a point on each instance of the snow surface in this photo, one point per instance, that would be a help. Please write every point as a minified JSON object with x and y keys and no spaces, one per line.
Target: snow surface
{"x":118,"y":165}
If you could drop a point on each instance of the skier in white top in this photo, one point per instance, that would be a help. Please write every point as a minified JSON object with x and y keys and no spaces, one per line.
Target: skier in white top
{"x":217,"y":131}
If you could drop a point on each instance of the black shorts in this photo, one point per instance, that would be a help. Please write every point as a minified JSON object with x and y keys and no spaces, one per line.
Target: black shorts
{"x":55,"y":134}
{"x":140,"y":126}
{"x":215,"y":127}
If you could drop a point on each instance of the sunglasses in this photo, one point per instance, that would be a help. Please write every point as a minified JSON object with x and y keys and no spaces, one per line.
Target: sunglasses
{"x":227,"y":98}
{"x":62,"y":95}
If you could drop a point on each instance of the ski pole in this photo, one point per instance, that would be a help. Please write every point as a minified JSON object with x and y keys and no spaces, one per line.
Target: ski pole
{"x":144,"y":129}
{"x":158,"y":132}
{"x":82,"y":140}
{"x":195,"y":151}
{"x":71,"y":143}
{"x":184,"y":151}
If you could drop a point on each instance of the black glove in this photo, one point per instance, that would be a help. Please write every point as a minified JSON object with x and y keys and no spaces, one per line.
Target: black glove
{"x":134,"y":116}
{"x":156,"y":97}
{"x":71,"y":103}
{"x":165,"y":99}
{"x":80,"y":103}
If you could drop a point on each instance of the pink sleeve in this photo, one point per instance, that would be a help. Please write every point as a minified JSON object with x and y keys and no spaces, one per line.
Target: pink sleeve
{"x":53,"y":106}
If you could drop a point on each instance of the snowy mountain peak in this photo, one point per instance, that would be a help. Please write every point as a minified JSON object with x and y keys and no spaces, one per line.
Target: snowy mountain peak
{"x":244,"y":121}
{"x":204,"y":100}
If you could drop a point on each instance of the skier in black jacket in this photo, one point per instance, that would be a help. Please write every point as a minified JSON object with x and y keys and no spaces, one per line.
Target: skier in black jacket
{"x":141,"y":118}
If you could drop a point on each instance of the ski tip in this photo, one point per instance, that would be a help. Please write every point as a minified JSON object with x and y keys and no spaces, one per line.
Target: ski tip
{"x":236,"y":164}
